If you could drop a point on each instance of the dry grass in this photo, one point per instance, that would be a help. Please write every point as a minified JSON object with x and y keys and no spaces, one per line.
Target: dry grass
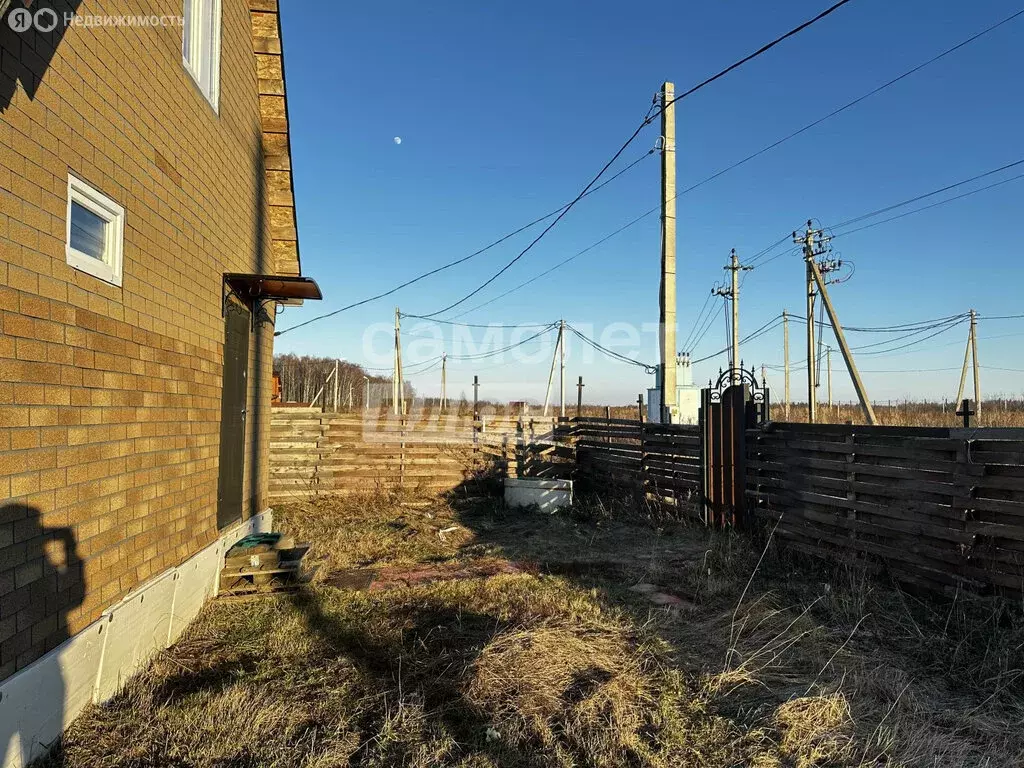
{"x":771,"y":664}
{"x":894,"y":413}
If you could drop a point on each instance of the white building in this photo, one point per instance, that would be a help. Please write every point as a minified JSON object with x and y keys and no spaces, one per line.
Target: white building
{"x":687,"y":395}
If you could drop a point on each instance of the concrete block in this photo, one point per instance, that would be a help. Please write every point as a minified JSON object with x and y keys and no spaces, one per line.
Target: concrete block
{"x":549,"y":495}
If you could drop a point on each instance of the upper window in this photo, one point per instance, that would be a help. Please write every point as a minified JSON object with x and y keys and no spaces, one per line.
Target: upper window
{"x":95,"y":232}
{"x":200,"y":46}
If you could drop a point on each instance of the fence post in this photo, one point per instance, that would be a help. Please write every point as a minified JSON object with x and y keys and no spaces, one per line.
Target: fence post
{"x":476,"y":406}
{"x":401,"y":452}
{"x":851,"y":493}
{"x":643,"y":456}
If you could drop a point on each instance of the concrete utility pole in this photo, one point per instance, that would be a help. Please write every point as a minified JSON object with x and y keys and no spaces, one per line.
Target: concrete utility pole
{"x":444,"y":381}
{"x":366,"y":398}
{"x":816,"y":244}
{"x":808,"y":242}
{"x":785,"y":356}
{"x":837,"y":329}
{"x":561,"y":377}
{"x":828,"y":358}
{"x":397,"y":390}
{"x":971,"y":353}
{"x":667,"y":294}
{"x":551,"y":373}
{"x":732,"y":294}
{"x":974,"y":356}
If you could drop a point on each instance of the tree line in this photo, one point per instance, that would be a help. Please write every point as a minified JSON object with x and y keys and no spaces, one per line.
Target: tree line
{"x":302,"y":376}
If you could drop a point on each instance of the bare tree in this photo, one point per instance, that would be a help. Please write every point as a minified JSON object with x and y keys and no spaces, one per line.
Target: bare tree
{"x":303,"y":376}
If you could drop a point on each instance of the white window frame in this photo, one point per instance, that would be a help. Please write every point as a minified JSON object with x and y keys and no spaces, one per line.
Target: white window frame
{"x":110,"y":268}
{"x":201,"y":35}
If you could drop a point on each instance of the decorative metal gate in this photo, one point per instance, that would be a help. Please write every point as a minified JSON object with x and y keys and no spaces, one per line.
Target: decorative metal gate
{"x":728,"y":409}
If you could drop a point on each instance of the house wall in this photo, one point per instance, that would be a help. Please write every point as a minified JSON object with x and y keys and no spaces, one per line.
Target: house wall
{"x":110,"y":396}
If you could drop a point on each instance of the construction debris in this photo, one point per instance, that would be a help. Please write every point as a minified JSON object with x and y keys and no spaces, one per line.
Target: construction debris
{"x":263,"y":563}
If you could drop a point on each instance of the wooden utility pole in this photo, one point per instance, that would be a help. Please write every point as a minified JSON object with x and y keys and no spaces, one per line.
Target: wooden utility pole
{"x":444,"y":381}
{"x":561,"y":376}
{"x":476,"y":398}
{"x":579,"y":398}
{"x":785,"y":357}
{"x":808,"y":242}
{"x":837,"y":329}
{"x":667,"y":294}
{"x":974,"y":361}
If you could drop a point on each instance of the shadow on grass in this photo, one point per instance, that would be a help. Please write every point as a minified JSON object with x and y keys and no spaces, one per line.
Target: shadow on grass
{"x":426,"y":665}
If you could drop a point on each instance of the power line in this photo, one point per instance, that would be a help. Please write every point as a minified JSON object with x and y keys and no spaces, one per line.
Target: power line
{"x":908,"y":201}
{"x":646,"y":121}
{"x":934,"y":192}
{"x":933,"y":205}
{"x":560,"y":264}
{"x":771,"y":325}
{"x":648,"y":368}
{"x":753,"y":261}
{"x":763,"y":49}
{"x":849,"y":105}
{"x":464,"y":259}
{"x":707,"y":327}
{"x":482,"y":355}
{"x":697,"y":322}
{"x":480,"y":325}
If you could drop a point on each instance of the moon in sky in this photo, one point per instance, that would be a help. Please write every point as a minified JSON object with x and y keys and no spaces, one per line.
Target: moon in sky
{"x":398,"y":139}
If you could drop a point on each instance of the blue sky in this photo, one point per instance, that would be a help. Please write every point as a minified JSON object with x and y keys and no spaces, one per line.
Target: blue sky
{"x":506,"y":110}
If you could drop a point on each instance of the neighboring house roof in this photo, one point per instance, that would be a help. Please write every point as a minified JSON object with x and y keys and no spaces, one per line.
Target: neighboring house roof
{"x":277,"y":156}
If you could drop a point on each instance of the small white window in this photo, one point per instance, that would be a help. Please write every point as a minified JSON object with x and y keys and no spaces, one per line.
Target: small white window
{"x":200,"y":46}
{"x":95,"y":232}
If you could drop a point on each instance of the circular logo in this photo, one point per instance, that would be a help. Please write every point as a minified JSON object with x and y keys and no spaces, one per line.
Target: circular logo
{"x":20,"y":19}
{"x":45,"y":19}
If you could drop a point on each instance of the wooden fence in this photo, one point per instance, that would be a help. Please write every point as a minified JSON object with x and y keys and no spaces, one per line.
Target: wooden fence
{"x":660,"y":461}
{"x":937,"y":507}
{"x":942,"y":508}
{"x":314,"y":453}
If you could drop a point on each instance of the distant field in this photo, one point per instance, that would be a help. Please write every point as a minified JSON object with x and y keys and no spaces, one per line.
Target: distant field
{"x":998,"y":413}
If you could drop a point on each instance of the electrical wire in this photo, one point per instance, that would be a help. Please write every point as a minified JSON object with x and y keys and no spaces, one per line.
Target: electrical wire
{"x":611,"y":353}
{"x":560,"y":264}
{"x":771,"y":325}
{"x":700,"y":317}
{"x":911,"y":343}
{"x":858,"y":100}
{"x":480,"y":325}
{"x":646,"y":121}
{"x":917,"y":198}
{"x":753,"y":261}
{"x":933,"y":205}
{"x":707,"y":327}
{"x":714,"y":176}
{"x":464,"y":259}
{"x":482,"y":355}
{"x":762,"y":50}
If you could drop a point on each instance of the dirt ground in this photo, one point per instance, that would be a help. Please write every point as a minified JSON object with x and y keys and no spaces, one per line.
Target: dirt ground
{"x":599,"y":636}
